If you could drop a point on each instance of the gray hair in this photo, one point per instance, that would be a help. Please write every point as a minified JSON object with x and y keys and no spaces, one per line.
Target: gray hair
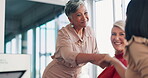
{"x":72,"y":6}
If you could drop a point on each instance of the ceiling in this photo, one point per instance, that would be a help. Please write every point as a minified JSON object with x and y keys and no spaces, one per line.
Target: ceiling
{"x":21,"y":15}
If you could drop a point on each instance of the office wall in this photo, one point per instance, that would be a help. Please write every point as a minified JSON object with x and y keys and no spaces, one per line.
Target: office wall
{"x":2,"y":22}
{"x":14,"y":63}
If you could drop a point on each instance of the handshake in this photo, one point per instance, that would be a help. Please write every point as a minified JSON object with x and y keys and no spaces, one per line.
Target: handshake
{"x":102,"y":60}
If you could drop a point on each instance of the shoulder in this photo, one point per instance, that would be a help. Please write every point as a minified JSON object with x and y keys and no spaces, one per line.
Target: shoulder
{"x":89,"y":31}
{"x":64,"y":30}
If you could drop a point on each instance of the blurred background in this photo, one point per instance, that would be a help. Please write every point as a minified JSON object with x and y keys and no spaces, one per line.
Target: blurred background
{"x":31,"y":26}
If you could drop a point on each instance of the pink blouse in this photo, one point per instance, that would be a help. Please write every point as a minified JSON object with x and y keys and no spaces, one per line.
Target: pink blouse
{"x":68,"y":46}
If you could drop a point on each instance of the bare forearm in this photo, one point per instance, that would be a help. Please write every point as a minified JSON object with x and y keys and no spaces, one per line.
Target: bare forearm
{"x":84,"y":58}
{"x":120,"y":68}
{"x":93,"y":58}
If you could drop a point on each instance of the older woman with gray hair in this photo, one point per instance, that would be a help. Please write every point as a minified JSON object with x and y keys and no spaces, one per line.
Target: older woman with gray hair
{"x":75,"y":46}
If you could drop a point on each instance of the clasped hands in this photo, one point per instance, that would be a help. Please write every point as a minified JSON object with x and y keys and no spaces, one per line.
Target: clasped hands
{"x":102,"y":60}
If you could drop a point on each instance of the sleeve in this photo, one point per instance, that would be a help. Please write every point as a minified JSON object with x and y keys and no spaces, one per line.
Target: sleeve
{"x":95,"y":47}
{"x":139,"y":52}
{"x":94,"y":43}
{"x":141,"y":59}
{"x":65,"y":48}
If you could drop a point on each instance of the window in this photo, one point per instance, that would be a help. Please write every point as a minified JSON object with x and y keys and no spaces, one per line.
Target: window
{"x":63,"y":21}
{"x":104,"y":21}
{"x":29,"y":41}
{"x":8,"y":47}
{"x":118,"y":9}
{"x":45,"y":46}
{"x":14,"y":46}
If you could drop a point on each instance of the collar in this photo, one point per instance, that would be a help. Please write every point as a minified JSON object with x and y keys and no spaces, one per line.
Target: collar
{"x":119,"y":55}
{"x":85,"y":34}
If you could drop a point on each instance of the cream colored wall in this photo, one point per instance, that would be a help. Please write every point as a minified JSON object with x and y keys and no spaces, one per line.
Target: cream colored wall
{"x":2,"y":26}
{"x":15,"y":62}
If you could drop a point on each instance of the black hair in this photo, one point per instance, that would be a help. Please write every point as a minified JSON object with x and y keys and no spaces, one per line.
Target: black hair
{"x":72,"y":6}
{"x":137,"y":19}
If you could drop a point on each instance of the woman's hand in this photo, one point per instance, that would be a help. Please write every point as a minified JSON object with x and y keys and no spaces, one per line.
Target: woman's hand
{"x":99,"y":59}
{"x":109,"y":59}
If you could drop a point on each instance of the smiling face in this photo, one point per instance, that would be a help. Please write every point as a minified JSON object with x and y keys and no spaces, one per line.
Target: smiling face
{"x":118,"y":39}
{"x":80,"y":18}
